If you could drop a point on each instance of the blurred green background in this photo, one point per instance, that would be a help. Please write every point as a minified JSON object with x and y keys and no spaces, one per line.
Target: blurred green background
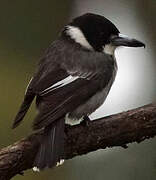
{"x":28,"y":27}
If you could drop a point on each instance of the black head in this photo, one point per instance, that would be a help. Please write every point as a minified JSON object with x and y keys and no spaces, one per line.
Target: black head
{"x":97,"y":31}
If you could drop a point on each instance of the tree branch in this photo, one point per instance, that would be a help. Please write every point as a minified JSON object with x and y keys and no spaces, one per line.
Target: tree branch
{"x":116,"y":130}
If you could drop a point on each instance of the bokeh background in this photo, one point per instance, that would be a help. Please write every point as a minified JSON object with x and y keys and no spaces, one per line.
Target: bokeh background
{"x":27,"y":28}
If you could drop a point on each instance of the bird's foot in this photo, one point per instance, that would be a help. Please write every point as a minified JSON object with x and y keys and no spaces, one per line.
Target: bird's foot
{"x":86,"y":121}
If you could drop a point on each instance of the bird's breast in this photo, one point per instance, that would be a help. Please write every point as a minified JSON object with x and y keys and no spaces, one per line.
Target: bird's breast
{"x":93,"y":103}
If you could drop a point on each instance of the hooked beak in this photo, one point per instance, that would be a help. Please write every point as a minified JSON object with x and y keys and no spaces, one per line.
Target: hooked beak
{"x":122,"y":40}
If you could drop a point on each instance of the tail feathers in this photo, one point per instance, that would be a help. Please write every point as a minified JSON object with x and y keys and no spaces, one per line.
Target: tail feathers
{"x":51,"y":150}
{"x":23,"y":110}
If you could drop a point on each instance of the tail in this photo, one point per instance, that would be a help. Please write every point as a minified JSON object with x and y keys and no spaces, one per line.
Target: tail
{"x":51,"y":150}
{"x":23,"y":109}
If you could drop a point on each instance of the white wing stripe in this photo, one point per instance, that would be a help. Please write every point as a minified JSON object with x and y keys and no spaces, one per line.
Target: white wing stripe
{"x":28,"y":85}
{"x":59,"y":84}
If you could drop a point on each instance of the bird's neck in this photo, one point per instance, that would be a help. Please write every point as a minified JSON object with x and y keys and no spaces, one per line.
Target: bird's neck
{"x":75,"y":35}
{"x":109,"y":49}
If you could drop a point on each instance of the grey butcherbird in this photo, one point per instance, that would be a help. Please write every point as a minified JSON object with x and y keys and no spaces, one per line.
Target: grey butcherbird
{"x":73,"y":79}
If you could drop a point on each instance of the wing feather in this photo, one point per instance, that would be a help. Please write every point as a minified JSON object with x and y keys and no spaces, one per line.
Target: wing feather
{"x":67,"y":76}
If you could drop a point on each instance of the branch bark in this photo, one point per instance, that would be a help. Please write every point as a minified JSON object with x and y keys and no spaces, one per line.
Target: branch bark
{"x":117,"y":130}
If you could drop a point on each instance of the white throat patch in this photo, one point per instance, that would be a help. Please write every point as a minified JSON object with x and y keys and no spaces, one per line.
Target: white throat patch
{"x":76,"y":34}
{"x":109,"y":49}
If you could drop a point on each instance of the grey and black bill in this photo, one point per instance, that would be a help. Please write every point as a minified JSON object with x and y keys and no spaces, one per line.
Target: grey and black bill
{"x":73,"y":79}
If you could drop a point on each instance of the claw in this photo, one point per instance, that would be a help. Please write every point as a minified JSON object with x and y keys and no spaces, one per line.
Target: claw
{"x":86,"y":121}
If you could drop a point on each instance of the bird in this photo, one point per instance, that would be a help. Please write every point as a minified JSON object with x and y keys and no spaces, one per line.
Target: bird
{"x":73,"y":78}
